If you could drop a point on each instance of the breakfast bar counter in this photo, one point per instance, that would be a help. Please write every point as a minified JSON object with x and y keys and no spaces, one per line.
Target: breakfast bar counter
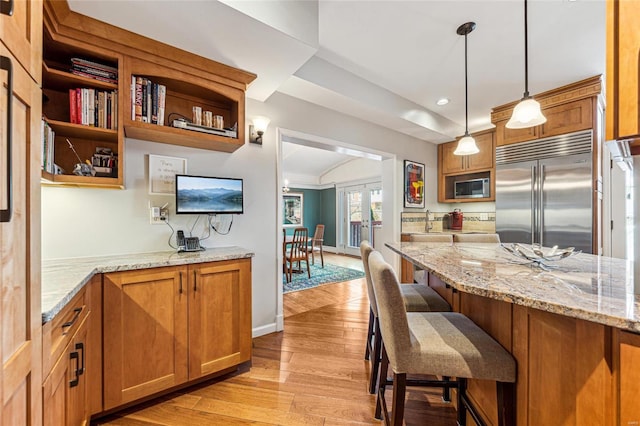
{"x":572,"y":328}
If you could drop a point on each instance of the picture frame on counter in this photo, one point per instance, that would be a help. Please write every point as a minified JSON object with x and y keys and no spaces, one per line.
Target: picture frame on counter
{"x":413,"y":184}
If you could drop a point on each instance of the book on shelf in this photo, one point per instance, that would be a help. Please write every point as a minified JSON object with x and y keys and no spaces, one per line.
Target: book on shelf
{"x":47,"y":145}
{"x":148,"y":100}
{"x":93,"y":107}
{"x":94,"y":70}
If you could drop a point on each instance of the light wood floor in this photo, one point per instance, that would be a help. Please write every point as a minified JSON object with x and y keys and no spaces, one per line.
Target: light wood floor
{"x":313,"y":373}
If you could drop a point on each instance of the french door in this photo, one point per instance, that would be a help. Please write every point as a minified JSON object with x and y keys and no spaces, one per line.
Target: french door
{"x":360,"y":208}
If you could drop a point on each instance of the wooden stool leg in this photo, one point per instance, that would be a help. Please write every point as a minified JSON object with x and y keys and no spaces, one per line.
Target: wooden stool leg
{"x":462,"y":408}
{"x":375,"y":357}
{"x":382,"y":384}
{"x":399,"y":391}
{"x":506,"y":403}
{"x":369,"y":334}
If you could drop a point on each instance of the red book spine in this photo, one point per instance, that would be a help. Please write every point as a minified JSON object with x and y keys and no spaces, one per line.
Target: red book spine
{"x":78,"y":106}
{"x":73,"y":108}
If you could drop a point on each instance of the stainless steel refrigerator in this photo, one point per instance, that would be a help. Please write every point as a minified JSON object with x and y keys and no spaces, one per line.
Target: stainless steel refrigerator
{"x":544,"y":192}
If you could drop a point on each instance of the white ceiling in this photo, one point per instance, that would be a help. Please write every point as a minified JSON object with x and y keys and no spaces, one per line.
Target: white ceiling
{"x":382,"y":61}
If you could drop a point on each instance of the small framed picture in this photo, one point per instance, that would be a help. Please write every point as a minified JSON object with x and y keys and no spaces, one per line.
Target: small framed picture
{"x":292,"y":207}
{"x":162,"y":173}
{"x":413,"y":184}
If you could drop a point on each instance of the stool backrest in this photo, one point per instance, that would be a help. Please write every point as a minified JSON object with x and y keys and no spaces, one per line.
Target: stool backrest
{"x":431,"y":238}
{"x":365,"y":251}
{"x":392,"y":315}
{"x":476,"y":238}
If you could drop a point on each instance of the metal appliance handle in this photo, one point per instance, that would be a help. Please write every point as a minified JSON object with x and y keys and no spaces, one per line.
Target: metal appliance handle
{"x":6,"y":7}
{"x":533,"y":204}
{"x":5,"y":64}
{"x":540,"y":205}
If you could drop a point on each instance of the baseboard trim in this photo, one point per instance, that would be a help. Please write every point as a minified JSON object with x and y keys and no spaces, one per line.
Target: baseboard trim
{"x":265,"y":329}
{"x":279,"y":322}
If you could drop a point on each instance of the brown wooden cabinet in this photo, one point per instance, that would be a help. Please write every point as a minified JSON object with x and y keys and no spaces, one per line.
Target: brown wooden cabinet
{"x":65,"y":391}
{"x":627,"y":376}
{"x":452,"y":168}
{"x":190,"y":80}
{"x":166,"y":326}
{"x":623,"y":66}
{"x":20,"y":314}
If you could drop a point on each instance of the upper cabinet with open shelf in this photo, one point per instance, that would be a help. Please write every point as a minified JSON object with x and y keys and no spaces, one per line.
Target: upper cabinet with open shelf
{"x":190,"y":81}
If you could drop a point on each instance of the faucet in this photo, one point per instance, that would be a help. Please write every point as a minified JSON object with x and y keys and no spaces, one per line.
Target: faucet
{"x":427,"y":223}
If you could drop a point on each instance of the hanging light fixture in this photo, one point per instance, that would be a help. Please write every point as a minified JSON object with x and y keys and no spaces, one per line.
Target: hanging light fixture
{"x":466,"y":145}
{"x":527,"y":113}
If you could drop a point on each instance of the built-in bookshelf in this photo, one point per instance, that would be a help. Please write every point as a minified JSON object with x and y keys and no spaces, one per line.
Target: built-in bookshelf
{"x":80,"y":108}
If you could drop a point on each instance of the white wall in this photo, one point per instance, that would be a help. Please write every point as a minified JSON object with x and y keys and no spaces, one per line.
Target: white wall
{"x":360,"y":168}
{"x":89,"y":222}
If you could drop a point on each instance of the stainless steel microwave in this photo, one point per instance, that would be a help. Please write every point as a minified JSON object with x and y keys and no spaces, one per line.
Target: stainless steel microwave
{"x":474,"y":188}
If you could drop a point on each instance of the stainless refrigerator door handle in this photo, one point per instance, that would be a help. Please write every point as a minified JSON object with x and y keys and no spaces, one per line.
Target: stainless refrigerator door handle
{"x":540,"y":204}
{"x":6,"y":7}
{"x":5,"y":64}
{"x":533,"y":204}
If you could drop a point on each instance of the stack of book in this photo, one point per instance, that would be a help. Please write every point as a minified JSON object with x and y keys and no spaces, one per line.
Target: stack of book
{"x":90,"y":69}
{"x":48,"y":142}
{"x":92,"y":107}
{"x":148,"y":100}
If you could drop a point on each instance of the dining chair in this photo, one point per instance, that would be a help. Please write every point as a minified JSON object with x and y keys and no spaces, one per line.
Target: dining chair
{"x":476,"y":238}
{"x":296,"y":252}
{"x":435,"y":343}
{"x":415,"y":298}
{"x":316,"y":244}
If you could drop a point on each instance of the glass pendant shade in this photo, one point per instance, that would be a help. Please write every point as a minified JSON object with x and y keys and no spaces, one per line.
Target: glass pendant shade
{"x":526,"y":114}
{"x":466,"y":146}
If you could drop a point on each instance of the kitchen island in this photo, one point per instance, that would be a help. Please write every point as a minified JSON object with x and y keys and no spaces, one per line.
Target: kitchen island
{"x":573,"y":329}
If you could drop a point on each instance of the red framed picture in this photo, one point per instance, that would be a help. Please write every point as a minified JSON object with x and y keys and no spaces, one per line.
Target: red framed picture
{"x":413,"y":184}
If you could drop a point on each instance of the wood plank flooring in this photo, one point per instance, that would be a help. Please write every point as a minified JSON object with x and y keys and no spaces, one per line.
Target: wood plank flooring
{"x":313,"y":373}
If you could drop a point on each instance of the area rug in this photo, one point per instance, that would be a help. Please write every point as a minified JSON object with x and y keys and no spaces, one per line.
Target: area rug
{"x":319,"y":275}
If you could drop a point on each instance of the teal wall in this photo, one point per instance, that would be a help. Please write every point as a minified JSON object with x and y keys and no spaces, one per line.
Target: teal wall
{"x":319,"y":207}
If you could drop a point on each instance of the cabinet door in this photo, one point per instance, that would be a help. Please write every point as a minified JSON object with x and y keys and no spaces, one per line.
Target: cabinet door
{"x":22,"y":33}
{"x":567,"y":118}
{"x":451,"y":163}
{"x":145,"y":333}
{"x":20,"y":314}
{"x":219,"y":316}
{"x":64,"y":391}
{"x":506,"y":136}
{"x":483,"y":160}
{"x":629,"y":378}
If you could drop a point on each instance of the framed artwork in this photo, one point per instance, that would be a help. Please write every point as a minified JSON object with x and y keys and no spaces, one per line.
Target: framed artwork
{"x":292,"y":204}
{"x":413,"y":184}
{"x":162,"y":173}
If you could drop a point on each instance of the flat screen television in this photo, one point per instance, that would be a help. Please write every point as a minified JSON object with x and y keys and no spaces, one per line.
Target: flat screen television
{"x":208,"y":195}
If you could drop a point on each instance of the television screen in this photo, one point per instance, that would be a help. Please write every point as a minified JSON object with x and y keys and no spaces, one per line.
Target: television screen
{"x":208,"y":195}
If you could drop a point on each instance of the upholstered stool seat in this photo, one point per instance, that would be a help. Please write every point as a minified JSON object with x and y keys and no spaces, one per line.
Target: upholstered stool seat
{"x":435,"y":343}
{"x":415,"y":298}
{"x":476,"y":238}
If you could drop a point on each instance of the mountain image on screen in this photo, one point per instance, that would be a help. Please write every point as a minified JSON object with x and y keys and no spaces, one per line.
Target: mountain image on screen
{"x":210,"y":200}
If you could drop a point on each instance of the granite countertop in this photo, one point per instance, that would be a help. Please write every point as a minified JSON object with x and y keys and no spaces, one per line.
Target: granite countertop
{"x":592,"y":288}
{"x":63,"y":278}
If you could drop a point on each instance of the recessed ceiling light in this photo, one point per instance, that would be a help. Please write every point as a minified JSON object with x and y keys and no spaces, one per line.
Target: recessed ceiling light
{"x":442,"y":101}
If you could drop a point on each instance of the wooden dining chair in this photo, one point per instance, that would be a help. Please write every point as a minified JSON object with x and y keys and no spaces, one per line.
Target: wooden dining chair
{"x":316,"y":244}
{"x":296,"y":252}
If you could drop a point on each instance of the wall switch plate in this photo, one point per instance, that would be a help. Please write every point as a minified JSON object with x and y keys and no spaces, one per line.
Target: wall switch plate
{"x":158,"y":216}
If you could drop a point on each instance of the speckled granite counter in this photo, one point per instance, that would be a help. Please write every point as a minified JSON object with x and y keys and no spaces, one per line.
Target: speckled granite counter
{"x":63,"y":278}
{"x":597,"y":289}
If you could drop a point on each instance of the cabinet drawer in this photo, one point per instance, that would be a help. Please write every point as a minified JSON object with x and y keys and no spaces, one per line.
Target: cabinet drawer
{"x":57,"y":333}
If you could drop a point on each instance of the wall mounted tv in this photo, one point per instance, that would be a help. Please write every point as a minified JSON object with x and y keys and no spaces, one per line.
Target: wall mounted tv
{"x":208,"y":195}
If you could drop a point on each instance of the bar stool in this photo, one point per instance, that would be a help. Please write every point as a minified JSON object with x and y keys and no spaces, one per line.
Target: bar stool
{"x":476,"y":238}
{"x":436,"y":343}
{"x":415,"y":298}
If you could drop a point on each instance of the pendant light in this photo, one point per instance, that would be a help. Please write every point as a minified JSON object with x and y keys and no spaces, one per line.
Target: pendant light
{"x":466,"y":145}
{"x":527,"y":113}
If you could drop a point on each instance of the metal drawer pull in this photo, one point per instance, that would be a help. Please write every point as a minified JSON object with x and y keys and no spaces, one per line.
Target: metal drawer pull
{"x":6,"y":7}
{"x":194,"y":280}
{"x":180,"y":282}
{"x":74,"y":382}
{"x":74,"y":319}
{"x":5,"y":64}
{"x":80,"y":346}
